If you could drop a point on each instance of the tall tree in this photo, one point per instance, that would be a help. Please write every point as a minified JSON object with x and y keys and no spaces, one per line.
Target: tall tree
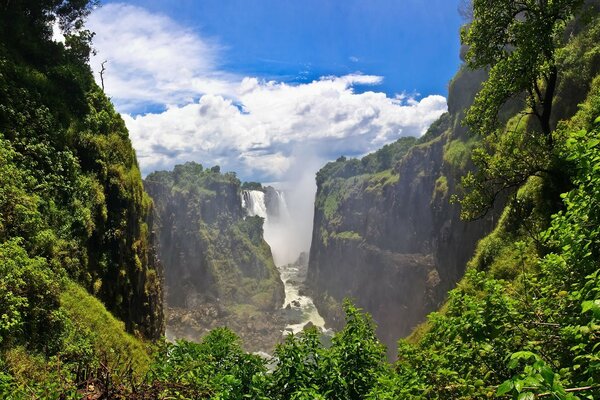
{"x":25,"y":24}
{"x":517,"y":41}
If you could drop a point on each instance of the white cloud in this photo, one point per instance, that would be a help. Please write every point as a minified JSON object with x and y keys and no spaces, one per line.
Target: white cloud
{"x":152,"y":59}
{"x":325,"y":117}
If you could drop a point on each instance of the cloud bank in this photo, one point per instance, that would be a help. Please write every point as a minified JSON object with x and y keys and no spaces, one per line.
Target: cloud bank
{"x":275,"y":125}
{"x":151,"y":59}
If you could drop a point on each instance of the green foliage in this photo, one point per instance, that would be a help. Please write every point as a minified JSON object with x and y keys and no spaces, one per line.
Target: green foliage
{"x":504,"y":163}
{"x":106,"y":335}
{"x":89,"y":344}
{"x":525,"y":48}
{"x":376,"y":182}
{"x":203,"y":208}
{"x":436,"y":129}
{"x":348,"y":235}
{"x":358,"y":355}
{"x":457,"y":153}
{"x":440,"y":191}
{"x":303,"y":368}
{"x":536,"y":377}
{"x":252,"y":186}
{"x":29,"y":300}
{"x":517,"y":40}
{"x":70,"y":181}
{"x":216,"y":368}
{"x":383,"y":159}
{"x":343,"y":181}
{"x":72,"y":211}
{"x":543,"y":317}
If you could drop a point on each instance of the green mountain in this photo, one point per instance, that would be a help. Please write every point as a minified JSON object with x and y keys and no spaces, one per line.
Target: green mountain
{"x":218,"y":268}
{"x":385,"y":233}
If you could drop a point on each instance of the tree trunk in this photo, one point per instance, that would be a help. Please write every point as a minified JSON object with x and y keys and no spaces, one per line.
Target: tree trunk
{"x":547,"y":105}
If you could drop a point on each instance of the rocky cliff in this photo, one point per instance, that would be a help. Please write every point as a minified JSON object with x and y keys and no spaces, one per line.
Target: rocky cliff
{"x":218,"y":268}
{"x":72,"y":193}
{"x":385,"y":233}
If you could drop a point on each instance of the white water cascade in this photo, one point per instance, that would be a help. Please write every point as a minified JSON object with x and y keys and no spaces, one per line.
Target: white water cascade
{"x":253,"y":201}
{"x":272,"y":206}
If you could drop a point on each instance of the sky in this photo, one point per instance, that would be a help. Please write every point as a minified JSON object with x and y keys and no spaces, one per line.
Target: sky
{"x":265,"y":88}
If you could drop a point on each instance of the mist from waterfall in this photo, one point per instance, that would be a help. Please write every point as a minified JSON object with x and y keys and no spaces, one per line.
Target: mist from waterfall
{"x":285,"y":234}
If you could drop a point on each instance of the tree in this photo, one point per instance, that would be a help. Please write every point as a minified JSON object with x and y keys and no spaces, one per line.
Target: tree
{"x":517,"y":42}
{"x":36,"y":16}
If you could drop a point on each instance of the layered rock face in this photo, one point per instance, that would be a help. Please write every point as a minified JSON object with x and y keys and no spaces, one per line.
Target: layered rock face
{"x":218,"y":268}
{"x":385,"y":233}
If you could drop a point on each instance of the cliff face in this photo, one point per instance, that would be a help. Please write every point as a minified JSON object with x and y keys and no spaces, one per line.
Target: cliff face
{"x":385,"y":233}
{"x":215,"y":258}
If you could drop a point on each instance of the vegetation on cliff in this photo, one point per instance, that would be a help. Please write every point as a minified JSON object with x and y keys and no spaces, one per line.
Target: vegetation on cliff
{"x":73,"y":212}
{"x":213,"y":254}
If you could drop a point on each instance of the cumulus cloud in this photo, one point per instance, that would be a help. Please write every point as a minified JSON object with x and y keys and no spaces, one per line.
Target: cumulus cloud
{"x":262,"y":134}
{"x":151,"y":59}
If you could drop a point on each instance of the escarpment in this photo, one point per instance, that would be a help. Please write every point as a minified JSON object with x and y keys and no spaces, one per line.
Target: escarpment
{"x":218,"y":268}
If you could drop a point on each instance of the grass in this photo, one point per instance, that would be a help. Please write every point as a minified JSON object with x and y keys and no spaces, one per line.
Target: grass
{"x":348,"y":235}
{"x":457,"y":153}
{"x":381,"y":179}
{"x":440,"y":190}
{"x":108,"y":336}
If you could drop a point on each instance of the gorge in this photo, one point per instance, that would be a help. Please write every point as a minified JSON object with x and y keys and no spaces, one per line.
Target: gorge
{"x":270,"y":204}
{"x":227,"y":257}
{"x":469,"y":253}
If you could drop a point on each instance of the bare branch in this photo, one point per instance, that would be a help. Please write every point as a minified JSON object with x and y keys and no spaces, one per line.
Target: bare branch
{"x":102,"y":73}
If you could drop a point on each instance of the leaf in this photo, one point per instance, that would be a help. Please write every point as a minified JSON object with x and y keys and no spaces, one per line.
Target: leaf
{"x":518,"y":385}
{"x":548,"y":375}
{"x":526,"y":396}
{"x":506,"y":387}
{"x":524,"y":355}
{"x":597,"y":120}
{"x":589,"y":305}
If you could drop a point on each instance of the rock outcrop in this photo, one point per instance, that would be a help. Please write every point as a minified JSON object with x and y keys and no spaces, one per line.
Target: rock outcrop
{"x":214,"y":256}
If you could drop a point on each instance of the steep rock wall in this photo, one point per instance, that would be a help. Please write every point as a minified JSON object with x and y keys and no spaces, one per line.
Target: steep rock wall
{"x":218,"y":268}
{"x":389,"y":237}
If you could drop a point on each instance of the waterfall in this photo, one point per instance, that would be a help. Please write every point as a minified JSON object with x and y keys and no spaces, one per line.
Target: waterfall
{"x":279,"y":234}
{"x":276,"y":202}
{"x":253,"y":201}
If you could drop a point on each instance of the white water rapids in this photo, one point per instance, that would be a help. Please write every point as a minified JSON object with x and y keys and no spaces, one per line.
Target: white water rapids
{"x":292,"y":268}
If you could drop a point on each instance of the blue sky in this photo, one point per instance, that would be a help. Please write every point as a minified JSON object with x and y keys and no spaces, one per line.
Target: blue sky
{"x":273,"y":89}
{"x":412,"y":44}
